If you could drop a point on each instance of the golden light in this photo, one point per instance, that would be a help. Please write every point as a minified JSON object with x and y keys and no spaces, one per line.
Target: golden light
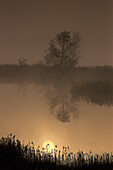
{"x":48,"y":146}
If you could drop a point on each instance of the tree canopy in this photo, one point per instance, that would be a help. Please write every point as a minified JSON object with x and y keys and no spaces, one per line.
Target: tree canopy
{"x":63,"y":50}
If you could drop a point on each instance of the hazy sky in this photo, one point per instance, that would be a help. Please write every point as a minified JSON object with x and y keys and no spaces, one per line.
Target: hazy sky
{"x":26,"y":26}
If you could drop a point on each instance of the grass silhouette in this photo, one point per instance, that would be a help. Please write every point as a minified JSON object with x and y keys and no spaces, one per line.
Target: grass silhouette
{"x":14,"y":155}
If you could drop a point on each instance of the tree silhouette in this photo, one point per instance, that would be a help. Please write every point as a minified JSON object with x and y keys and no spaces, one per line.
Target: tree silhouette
{"x":22,"y":61}
{"x":63,"y":50}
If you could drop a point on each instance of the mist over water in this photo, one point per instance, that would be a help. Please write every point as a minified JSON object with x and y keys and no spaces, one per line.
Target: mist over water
{"x":62,"y":107}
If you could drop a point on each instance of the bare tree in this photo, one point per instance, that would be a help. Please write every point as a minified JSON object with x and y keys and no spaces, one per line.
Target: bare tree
{"x":22,"y":61}
{"x":63,"y":50}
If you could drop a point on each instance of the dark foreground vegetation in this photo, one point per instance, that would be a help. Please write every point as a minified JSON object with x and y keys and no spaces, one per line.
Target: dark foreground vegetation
{"x":14,"y":155}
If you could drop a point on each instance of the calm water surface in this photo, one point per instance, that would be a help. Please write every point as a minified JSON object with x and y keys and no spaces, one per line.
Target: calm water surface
{"x":36,"y":113}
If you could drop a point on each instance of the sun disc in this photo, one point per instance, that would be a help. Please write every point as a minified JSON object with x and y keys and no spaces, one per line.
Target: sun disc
{"x":48,"y":145}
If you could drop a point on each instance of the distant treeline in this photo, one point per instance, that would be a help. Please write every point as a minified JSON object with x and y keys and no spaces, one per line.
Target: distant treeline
{"x":41,"y":73}
{"x":90,"y":84}
{"x":14,"y":155}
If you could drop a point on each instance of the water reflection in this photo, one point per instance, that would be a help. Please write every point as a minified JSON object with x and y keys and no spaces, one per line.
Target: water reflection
{"x":28,"y":116}
{"x":62,"y":96}
{"x":93,"y":85}
{"x":93,"y":92}
{"x":60,"y":104}
{"x":27,"y":93}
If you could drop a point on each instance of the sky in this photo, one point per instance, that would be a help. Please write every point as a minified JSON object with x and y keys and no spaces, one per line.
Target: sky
{"x":26,"y":26}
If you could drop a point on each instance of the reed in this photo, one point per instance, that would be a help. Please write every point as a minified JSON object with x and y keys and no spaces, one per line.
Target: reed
{"x":16,"y":155}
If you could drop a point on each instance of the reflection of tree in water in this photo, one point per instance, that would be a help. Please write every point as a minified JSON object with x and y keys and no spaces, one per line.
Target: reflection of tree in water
{"x":60,"y":104}
{"x":22,"y":88}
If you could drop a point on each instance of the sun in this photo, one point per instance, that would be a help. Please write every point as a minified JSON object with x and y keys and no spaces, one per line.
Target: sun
{"x":48,"y":146}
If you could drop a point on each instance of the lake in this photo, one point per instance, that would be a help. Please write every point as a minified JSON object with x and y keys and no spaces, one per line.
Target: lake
{"x":78,"y":115}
